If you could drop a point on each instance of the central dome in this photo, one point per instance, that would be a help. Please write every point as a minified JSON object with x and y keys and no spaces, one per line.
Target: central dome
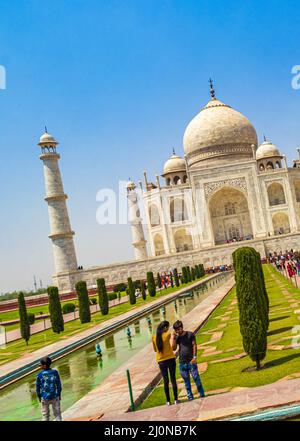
{"x":218,"y":134}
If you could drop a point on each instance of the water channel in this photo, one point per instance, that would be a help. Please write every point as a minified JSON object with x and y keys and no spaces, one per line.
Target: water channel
{"x":82,"y":370}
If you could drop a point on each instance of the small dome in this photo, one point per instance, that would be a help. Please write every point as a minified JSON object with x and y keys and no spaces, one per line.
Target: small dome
{"x":267,"y":150}
{"x":174,"y":164}
{"x":130,"y":185}
{"x":218,"y":132}
{"x":46,"y":138}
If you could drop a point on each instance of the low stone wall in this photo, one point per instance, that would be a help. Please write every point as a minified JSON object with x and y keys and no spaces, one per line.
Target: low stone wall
{"x":214,"y":256}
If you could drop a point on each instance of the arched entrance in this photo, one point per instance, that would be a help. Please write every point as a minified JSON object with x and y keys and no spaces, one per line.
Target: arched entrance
{"x":230,"y":217}
{"x":281,"y":223}
{"x":183,"y":240}
{"x":159,"y":245}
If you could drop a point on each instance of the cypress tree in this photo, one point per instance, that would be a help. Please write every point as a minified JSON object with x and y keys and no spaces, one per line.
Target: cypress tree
{"x":151,"y":284}
{"x":83,"y":302}
{"x":176,"y":278}
{"x":202,"y":271}
{"x":171,"y":280}
{"x":193,"y":274}
{"x":131,"y":291}
{"x":55,"y":311}
{"x":158,"y":281}
{"x":251,"y":303}
{"x":102,"y":296}
{"x":24,"y":322}
{"x":143,"y":290}
{"x":263,"y":292}
{"x":185,"y":277}
{"x":189,"y":275}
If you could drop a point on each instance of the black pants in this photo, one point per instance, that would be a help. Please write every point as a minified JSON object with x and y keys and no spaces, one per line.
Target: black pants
{"x":166,"y":367}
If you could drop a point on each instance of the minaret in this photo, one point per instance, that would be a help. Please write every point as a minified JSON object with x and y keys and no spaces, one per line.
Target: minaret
{"x":134,"y":217}
{"x":60,"y":228}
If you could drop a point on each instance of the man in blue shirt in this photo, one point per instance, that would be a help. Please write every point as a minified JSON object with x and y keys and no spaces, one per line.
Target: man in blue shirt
{"x":48,"y":390}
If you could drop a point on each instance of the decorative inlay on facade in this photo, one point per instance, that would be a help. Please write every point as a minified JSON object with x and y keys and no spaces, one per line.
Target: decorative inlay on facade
{"x":212,"y":187}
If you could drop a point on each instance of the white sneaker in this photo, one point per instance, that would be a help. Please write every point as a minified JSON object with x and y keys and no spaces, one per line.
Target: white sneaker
{"x":177,"y":402}
{"x":168,"y":403}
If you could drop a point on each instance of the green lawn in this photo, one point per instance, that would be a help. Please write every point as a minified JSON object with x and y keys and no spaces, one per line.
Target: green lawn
{"x":229,"y":374}
{"x":18,"y":348}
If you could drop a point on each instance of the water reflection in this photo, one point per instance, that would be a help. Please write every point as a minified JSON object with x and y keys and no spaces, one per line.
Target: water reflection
{"x":83,"y":370}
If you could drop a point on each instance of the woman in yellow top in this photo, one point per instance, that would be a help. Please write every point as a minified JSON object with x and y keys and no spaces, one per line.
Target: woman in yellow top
{"x":165,"y":358}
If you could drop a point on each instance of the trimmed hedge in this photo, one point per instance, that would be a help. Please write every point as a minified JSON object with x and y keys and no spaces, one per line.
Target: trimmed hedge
{"x":56,"y":315}
{"x":24,"y":322}
{"x":158,"y":281}
{"x":131,"y":291}
{"x":176,"y":278}
{"x":83,"y":302}
{"x":252,"y":303}
{"x":151,"y":284}
{"x":31,"y":318}
{"x":102,"y":296}
{"x":143,"y":290}
{"x":68,"y":307}
{"x":112,"y":296}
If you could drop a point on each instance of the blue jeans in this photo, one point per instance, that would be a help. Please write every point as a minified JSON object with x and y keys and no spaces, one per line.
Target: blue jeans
{"x":185,"y":370}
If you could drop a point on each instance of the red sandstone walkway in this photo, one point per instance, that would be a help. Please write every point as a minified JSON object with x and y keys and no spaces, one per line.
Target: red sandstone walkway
{"x":222,"y":406}
{"x":112,"y":394}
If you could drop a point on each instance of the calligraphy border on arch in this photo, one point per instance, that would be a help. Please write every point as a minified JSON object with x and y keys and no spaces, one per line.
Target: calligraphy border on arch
{"x":212,"y":187}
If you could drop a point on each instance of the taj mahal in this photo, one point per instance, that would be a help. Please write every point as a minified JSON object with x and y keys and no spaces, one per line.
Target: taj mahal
{"x":226,"y":191}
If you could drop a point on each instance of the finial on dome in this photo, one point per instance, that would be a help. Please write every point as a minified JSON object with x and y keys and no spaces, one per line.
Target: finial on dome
{"x":212,"y":90}
{"x":265,"y":139}
{"x":174,"y":151}
{"x":46,"y":131}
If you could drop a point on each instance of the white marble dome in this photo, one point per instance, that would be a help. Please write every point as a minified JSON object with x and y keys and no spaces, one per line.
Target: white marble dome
{"x":218,"y":132}
{"x":267,"y":150}
{"x":174,"y":164}
{"x":46,"y":138}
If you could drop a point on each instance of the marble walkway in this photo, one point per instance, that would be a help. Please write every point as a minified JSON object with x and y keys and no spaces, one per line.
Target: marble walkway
{"x":112,"y":394}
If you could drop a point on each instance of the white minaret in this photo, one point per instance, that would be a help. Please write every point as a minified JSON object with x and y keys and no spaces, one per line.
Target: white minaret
{"x":134,"y":217}
{"x":60,"y":228}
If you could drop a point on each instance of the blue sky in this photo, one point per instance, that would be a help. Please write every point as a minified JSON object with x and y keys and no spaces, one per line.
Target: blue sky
{"x":116,"y":82}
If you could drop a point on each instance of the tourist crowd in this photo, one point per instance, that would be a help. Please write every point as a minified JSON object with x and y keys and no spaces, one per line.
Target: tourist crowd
{"x":288,"y":261}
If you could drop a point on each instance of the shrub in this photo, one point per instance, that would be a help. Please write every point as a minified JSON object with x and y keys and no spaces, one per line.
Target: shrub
{"x":112,"y":296}
{"x":93,"y":301}
{"x":184,"y":275}
{"x":193,"y":274}
{"x":189,"y":275}
{"x":176,"y":278}
{"x":151,"y":284}
{"x":251,"y":303}
{"x":56,"y":316}
{"x":131,"y":291}
{"x":120,"y":287}
{"x":31,"y":318}
{"x":83,"y":302}
{"x":103,"y":297}
{"x":158,"y":281}
{"x":24,"y":322}
{"x":143,"y":290}
{"x":201,"y":270}
{"x":68,"y":307}
{"x":171,"y":280}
